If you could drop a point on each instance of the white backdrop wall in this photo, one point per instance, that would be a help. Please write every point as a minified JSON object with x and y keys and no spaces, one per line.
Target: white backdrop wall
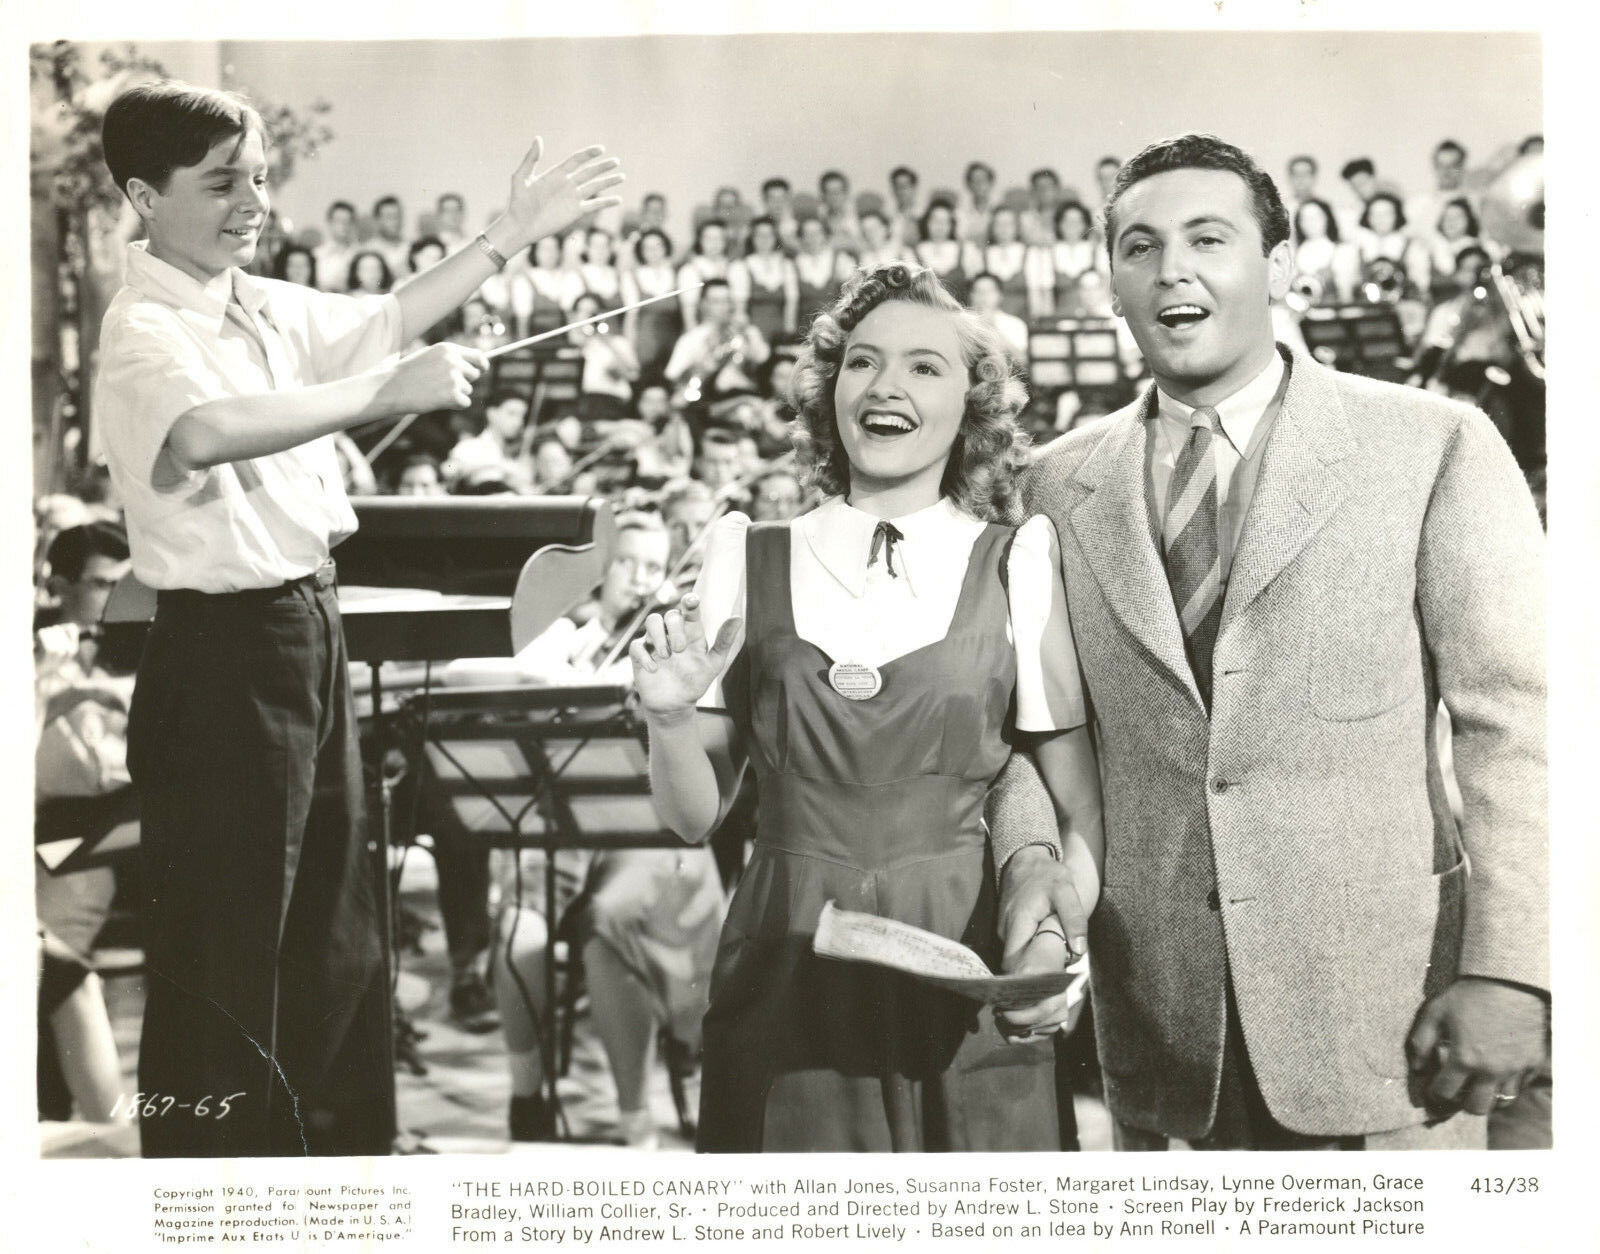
{"x":688,"y":113}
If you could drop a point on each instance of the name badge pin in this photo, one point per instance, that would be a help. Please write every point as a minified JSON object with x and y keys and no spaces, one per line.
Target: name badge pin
{"x":855,"y":681}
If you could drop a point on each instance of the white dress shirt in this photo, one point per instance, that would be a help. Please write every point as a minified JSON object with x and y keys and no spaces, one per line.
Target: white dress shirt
{"x":168,"y":344}
{"x":857,"y":612}
{"x":1237,"y":453}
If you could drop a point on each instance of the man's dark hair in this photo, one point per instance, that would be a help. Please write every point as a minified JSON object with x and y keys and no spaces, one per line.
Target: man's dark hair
{"x":775,"y":184}
{"x":903,"y":171}
{"x":1203,"y":152}
{"x":1357,"y":165}
{"x":1044,"y":172}
{"x":427,"y":241}
{"x":1105,"y":161}
{"x":980,"y":276}
{"x":340,"y":204}
{"x":71,"y":550}
{"x":655,"y":196}
{"x":1450,"y":145}
{"x":153,"y":129}
{"x":1304,"y":157}
{"x":977,"y":165}
{"x":829,"y":176}
{"x":377,"y":205}
{"x":448,"y":196}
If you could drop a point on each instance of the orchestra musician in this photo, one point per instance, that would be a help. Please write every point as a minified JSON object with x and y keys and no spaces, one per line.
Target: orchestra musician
{"x":647,"y":919}
{"x":217,"y":394}
{"x":718,"y":356}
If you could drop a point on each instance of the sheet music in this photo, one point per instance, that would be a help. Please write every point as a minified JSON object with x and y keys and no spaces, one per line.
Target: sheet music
{"x":857,"y":937}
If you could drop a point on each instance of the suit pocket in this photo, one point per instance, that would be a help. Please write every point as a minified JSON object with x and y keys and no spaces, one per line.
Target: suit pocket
{"x":1365,"y":660}
{"x":1393,"y":938}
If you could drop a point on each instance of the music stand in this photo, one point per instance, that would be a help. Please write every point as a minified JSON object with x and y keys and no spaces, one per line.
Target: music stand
{"x":1361,"y":339}
{"x":547,"y":768}
{"x":1077,"y":355}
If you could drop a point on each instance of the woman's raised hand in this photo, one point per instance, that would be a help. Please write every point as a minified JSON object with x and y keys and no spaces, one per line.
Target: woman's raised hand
{"x":673,"y":664}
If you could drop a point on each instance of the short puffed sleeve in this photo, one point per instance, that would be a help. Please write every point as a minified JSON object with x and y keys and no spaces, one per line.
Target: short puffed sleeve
{"x":1049,"y":685}
{"x":721,"y":587}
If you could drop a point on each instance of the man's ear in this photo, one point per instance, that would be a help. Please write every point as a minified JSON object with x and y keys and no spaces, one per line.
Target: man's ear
{"x":1280,"y":270}
{"x":143,"y":196}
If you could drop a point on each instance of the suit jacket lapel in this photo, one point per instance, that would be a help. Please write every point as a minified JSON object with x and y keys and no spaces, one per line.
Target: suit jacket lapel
{"x":1299,"y":486}
{"x":1111,"y":518}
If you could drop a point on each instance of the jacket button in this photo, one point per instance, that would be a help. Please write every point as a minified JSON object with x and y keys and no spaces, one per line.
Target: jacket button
{"x":1219,"y":786}
{"x":1214,"y":900}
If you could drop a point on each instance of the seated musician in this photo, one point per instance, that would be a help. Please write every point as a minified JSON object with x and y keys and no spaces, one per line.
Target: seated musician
{"x":80,"y":762}
{"x":647,"y":920}
{"x":719,"y":356}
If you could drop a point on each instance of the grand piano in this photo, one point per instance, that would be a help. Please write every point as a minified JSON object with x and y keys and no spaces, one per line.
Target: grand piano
{"x":432,"y":578}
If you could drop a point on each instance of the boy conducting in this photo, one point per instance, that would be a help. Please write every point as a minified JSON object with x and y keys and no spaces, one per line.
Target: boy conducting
{"x":218,"y":394}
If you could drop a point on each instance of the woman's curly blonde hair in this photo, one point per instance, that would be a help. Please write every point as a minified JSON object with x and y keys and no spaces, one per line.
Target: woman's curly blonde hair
{"x":990,"y":448}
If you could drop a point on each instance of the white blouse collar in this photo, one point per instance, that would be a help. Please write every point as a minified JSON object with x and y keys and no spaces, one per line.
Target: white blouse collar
{"x":841,"y":538}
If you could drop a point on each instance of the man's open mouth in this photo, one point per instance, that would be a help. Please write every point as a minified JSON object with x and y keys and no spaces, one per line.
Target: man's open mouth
{"x":1175,"y":316}
{"x":884,"y":423}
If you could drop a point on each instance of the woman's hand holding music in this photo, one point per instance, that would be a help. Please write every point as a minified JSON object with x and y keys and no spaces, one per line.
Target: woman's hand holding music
{"x":673,"y":662}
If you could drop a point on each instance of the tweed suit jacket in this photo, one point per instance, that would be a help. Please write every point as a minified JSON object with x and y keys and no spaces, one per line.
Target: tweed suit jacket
{"x":1298,"y":840}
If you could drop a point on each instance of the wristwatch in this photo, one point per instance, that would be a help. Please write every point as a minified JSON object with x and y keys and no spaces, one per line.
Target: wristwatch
{"x":490,"y":251}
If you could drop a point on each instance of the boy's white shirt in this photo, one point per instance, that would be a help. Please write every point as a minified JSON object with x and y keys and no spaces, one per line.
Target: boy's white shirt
{"x":169,"y":344}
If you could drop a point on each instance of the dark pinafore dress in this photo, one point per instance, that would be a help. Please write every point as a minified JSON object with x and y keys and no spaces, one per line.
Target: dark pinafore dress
{"x":878,"y":806}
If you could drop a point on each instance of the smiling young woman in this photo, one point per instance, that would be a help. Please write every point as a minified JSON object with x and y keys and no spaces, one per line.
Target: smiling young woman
{"x":894,"y":641}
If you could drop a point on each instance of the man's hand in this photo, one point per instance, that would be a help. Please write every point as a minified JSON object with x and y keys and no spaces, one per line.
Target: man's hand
{"x":1038,"y":897}
{"x":549,"y":203}
{"x":1483,"y":1036}
{"x":1035,"y":887}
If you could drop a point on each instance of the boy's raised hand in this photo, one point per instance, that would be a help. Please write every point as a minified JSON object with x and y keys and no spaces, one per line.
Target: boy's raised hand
{"x":549,"y":203}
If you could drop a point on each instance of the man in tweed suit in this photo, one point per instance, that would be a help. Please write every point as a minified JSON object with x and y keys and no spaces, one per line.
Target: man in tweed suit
{"x":1275,"y":573}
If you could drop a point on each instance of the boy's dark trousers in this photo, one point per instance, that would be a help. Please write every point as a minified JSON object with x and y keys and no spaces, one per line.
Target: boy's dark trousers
{"x":267,"y":999}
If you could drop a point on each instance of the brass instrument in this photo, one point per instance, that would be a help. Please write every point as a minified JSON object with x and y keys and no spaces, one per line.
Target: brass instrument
{"x":1513,"y":215}
{"x":1306,"y":292}
{"x":1384,"y":282}
{"x":729,"y":350}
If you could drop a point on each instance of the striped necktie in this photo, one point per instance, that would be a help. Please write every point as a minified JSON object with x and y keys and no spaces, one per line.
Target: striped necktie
{"x":1189,"y":539}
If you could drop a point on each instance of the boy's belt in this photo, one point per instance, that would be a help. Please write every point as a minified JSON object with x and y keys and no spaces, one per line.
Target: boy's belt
{"x":324,"y":576}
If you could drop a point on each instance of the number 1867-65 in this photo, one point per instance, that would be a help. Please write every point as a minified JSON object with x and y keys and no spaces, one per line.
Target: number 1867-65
{"x":157,"y":1105}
